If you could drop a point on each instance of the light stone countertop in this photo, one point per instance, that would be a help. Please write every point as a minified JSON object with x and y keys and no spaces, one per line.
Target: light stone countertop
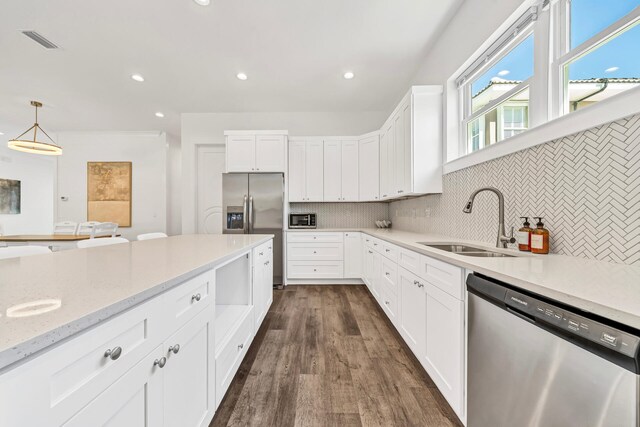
{"x":603,"y":288}
{"x":94,"y":284}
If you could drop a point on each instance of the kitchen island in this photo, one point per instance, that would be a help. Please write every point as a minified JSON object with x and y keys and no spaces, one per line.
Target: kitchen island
{"x":151,"y":330}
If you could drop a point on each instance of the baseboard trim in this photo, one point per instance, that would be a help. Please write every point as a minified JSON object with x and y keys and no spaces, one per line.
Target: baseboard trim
{"x":324,"y":282}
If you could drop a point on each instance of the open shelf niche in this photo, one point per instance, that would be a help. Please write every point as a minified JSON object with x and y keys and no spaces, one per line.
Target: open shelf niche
{"x":233,"y":297}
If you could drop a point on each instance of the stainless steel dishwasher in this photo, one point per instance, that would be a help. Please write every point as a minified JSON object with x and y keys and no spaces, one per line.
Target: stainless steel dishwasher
{"x":533,"y":361}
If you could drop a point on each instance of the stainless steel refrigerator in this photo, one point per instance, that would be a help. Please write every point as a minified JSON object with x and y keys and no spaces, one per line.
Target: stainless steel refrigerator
{"x":253,"y":203}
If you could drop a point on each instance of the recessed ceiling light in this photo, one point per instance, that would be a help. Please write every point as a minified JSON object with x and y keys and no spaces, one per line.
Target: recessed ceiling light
{"x":203,"y":2}
{"x":242,"y":76}
{"x":611,"y":69}
{"x":159,"y":114}
{"x":503,"y":72}
{"x":349,"y":75}
{"x":1,"y":133}
{"x":137,"y":77}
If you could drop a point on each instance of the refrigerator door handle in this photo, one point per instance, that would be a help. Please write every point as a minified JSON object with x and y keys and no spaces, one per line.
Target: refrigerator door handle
{"x":245,"y":216}
{"x":250,"y":214}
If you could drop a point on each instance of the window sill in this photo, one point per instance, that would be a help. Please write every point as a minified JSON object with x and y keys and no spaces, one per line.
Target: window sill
{"x":615,"y":108}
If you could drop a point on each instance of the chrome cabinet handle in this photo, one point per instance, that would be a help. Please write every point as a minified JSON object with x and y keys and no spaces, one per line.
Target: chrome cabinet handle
{"x":266,"y":263}
{"x":420,"y":285}
{"x":160,"y":362}
{"x":370,"y":252}
{"x":387,"y":273}
{"x":400,"y":191}
{"x":196,"y":297}
{"x":113,"y":354}
{"x":261,"y":253}
{"x":386,"y":302}
{"x":387,"y":250}
{"x":240,"y":346}
{"x":315,"y":252}
{"x":174,"y":348}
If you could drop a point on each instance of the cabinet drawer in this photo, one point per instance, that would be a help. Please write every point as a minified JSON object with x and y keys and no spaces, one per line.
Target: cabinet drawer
{"x":314,"y":237}
{"x":409,"y":260}
{"x":445,"y":276}
{"x":230,"y":356}
{"x":56,"y":384}
{"x":389,"y":276}
{"x":376,"y":244}
{"x":315,"y":269}
{"x":263,"y":253}
{"x":390,"y":251}
{"x":315,"y":251}
{"x":389,"y":304}
{"x":188,"y":299}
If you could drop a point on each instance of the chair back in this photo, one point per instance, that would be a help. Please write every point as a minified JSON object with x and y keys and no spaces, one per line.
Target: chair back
{"x":104,"y":229}
{"x":20,"y":251}
{"x":65,"y":227}
{"x":104,"y":241}
{"x":84,"y":228}
{"x":149,"y":236}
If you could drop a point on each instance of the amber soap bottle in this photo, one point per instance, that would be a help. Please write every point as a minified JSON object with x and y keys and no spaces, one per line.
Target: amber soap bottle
{"x":524,"y":235}
{"x":540,"y":238}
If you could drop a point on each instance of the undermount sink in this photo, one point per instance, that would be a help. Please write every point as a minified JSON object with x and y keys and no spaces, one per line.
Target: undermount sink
{"x":466,"y":250}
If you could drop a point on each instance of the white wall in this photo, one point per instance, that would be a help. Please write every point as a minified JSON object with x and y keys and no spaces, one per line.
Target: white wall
{"x":174,"y":178}
{"x":208,"y":129}
{"x":37,"y":175}
{"x":148,"y":153}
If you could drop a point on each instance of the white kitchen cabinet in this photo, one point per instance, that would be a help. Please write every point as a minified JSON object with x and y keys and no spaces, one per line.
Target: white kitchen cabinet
{"x":352,"y":255}
{"x":444,"y":354}
{"x":315,"y":255}
{"x":368,"y":267}
{"x":413,"y":312}
{"x":350,"y":171}
{"x":189,"y":393}
{"x":369,"y":168}
{"x":135,"y":399}
{"x":332,"y":171}
{"x":402,"y":145}
{"x":306,"y":170}
{"x":256,"y":151}
{"x":262,"y":281}
{"x":341,"y":179}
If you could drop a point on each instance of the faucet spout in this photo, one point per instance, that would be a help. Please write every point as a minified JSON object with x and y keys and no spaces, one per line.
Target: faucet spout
{"x":502,"y":240}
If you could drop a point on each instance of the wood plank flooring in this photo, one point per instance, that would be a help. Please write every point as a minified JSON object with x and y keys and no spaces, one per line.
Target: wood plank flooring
{"x":328,"y":356}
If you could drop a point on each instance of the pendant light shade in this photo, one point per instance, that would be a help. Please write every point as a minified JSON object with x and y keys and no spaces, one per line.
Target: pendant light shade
{"x":28,"y":140}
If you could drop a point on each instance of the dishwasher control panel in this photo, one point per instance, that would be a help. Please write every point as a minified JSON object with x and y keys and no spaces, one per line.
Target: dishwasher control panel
{"x":596,"y":332}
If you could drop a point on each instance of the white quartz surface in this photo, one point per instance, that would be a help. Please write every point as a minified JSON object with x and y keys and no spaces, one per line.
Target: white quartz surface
{"x":607,"y":289}
{"x":94,"y":284}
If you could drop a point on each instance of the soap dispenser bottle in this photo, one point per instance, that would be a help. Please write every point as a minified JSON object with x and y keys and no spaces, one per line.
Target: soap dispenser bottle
{"x":540,"y":238}
{"x":524,"y":235}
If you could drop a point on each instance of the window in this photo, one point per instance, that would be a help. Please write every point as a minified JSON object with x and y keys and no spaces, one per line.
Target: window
{"x":588,"y":48}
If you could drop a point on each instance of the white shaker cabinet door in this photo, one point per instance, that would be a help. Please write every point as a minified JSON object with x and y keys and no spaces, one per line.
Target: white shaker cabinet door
{"x":384,"y":166}
{"x":332,"y":171}
{"x":444,"y":357}
{"x":134,"y":400}
{"x":241,"y":153}
{"x":297,"y":171}
{"x":270,"y":153}
{"x":352,"y":255}
{"x":314,"y":166}
{"x":369,"y":169}
{"x":189,"y":383}
{"x":350,"y":167}
{"x":413,"y":316}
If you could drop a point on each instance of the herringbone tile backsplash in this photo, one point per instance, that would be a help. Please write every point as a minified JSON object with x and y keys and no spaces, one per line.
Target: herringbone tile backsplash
{"x":344,"y":215}
{"x":586,"y":186}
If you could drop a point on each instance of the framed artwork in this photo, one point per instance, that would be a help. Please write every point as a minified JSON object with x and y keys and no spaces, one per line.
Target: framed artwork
{"x":109,"y":192}
{"x":9,"y":196}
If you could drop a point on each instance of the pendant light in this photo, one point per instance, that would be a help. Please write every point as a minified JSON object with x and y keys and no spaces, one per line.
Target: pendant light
{"x":32,"y":145}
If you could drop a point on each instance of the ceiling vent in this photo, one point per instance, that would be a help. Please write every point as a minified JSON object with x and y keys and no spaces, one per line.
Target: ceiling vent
{"x":39,"y":39}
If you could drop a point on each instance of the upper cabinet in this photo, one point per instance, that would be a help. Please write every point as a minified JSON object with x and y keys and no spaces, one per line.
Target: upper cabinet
{"x":254,"y":151}
{"x":341,"y":171}
{"x":305,"y":176}
{"x":368,"y":167}
{"x":412,"y":143}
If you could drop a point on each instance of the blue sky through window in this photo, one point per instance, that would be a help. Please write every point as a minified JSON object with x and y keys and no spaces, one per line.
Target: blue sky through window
{"x":619,"y":57}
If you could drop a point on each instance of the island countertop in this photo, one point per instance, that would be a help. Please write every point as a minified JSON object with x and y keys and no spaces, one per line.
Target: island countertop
{"x":87,"y":286}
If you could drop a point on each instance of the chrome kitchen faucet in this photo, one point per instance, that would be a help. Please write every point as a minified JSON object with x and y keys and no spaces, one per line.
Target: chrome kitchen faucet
{"x":502,"y":240}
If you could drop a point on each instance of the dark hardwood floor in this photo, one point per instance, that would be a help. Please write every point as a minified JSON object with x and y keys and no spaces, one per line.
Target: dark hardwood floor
{"x":328,"y":356}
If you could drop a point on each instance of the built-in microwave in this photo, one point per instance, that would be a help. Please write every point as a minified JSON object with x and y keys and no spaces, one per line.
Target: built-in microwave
{"x":302,"y":220}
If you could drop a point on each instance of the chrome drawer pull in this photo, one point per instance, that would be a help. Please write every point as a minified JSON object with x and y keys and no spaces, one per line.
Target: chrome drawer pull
{"x":420,"y":285}
{"x":113,"y":354}
{"x":160,"y":362}
{"x":266,"y":263}
{"x":387,"y":273}
{"x":240,"y":347}
{"x":370,"y":252}
{"x":196,"y":297}
{"x":387,"y":250}
{"x":261,"y":253}
{"x":174,"y":348}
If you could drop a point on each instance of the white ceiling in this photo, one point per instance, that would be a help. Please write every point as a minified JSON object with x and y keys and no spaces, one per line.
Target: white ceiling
{"x":294,"y":52}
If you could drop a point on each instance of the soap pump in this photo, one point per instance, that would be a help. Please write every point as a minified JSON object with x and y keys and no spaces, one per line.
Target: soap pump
{"x":524,"y":235}
{"x":540,"y":238}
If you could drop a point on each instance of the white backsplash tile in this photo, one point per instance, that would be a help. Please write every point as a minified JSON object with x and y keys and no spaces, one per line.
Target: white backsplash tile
{"x":586,"y":186}
{"x":344,"y":215}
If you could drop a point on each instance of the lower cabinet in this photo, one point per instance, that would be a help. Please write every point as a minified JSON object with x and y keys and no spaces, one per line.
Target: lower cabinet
{"x":444,"y":356}
{"x":262,"y":282}
{"x":352,"y":255}
{"x":413,"y":313}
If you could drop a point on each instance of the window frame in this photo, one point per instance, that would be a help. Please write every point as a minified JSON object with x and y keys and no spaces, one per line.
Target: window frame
{"x":501,"y":123}
{"x":546,"y":120}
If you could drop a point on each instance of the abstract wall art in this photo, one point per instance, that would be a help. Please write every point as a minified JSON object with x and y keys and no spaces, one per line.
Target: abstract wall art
{"x":109,"y":192}
{"x":9,"y":196}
